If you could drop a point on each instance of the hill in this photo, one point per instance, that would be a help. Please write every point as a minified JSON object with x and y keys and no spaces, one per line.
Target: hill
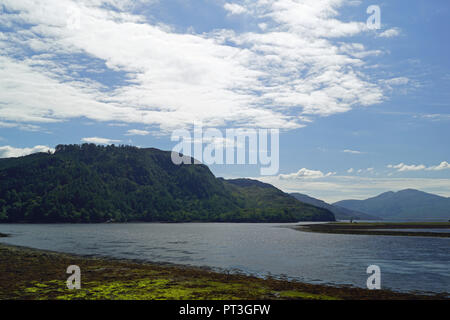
{"x":339,"y":212}
{"x":404,"y":204}
{"x":89,"y":183}
{"x":255,"y":194}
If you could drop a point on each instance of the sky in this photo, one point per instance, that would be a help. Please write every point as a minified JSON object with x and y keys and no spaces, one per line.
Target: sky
{"x":360,"y":110}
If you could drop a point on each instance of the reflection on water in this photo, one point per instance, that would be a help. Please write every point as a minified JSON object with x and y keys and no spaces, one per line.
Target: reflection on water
{"x":407,"y":263}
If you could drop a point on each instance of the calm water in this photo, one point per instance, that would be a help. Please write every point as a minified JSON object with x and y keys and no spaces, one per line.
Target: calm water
{"x":407,"y":263}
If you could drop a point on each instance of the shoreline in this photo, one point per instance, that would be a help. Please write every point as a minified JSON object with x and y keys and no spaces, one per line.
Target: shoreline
{"x":30,"y":274}
{"x":378,"y":228}
{"x":166,"y":222}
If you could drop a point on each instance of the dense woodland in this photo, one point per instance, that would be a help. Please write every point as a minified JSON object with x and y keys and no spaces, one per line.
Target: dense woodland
{"x":89,"y":183}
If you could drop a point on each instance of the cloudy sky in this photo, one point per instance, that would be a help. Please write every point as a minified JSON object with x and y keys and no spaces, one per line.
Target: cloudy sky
{"x":361,"y":110}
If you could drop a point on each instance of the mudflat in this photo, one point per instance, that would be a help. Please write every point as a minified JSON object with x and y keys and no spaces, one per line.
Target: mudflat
{"x":380,"y":228}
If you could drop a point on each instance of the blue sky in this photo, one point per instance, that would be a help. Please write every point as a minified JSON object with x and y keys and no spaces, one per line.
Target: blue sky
{"x":360,"y":111}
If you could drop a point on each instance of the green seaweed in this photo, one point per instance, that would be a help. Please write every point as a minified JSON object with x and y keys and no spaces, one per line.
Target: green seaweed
{"x":305,"y":296}
{"x":145,"y":289}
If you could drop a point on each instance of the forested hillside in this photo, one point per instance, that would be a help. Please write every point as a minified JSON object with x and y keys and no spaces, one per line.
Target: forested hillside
{"x":89,"y":183}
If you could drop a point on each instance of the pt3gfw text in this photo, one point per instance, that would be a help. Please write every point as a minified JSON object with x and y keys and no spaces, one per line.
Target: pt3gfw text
{"x":228,"y":309}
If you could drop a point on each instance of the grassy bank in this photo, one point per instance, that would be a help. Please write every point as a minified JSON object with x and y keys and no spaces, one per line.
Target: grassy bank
{"x":35,"y":274}
{"x":380,"y":228}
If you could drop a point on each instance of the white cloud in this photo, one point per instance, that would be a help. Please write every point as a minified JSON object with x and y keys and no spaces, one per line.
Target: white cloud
{"x":118,"y":124}
{"x":172,"y":79}
{"x":352,"y":151}
{"x":357,"y":50}
{"x":442,"y":166}
{"x":366,"y":170}
{"x":209,"y":81}
{"x":135,"y":132}
{"x":98,"y":140}
{"x":20,"y":126}
{"x":11,"y":152}
{"x":262,"y":26}
{"x":305,"y":174}
{"x":317,"y":18}
{"x":397,"y":81}
{"x":29,"y":95}
{"x":436,"y":117}
{"x":354,"y":3}
{"x":401,"y":167}
{"x":234,"y":8}
{"x":390,"y":33}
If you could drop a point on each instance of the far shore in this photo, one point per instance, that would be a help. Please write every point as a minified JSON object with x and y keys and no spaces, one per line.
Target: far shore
{"x":379,"y":228}
{"x":165,"y":222}
{"x":37,"y":274}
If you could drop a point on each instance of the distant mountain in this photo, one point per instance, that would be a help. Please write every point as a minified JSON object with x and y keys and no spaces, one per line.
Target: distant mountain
{"x":89,"y":183}
{"x":405,"y":204}
{"x":339,"y":212}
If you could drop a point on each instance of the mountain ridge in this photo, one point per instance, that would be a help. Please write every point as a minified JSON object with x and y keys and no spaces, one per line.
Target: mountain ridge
{"x":403,"y":204}
{"x":339,"y":212}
